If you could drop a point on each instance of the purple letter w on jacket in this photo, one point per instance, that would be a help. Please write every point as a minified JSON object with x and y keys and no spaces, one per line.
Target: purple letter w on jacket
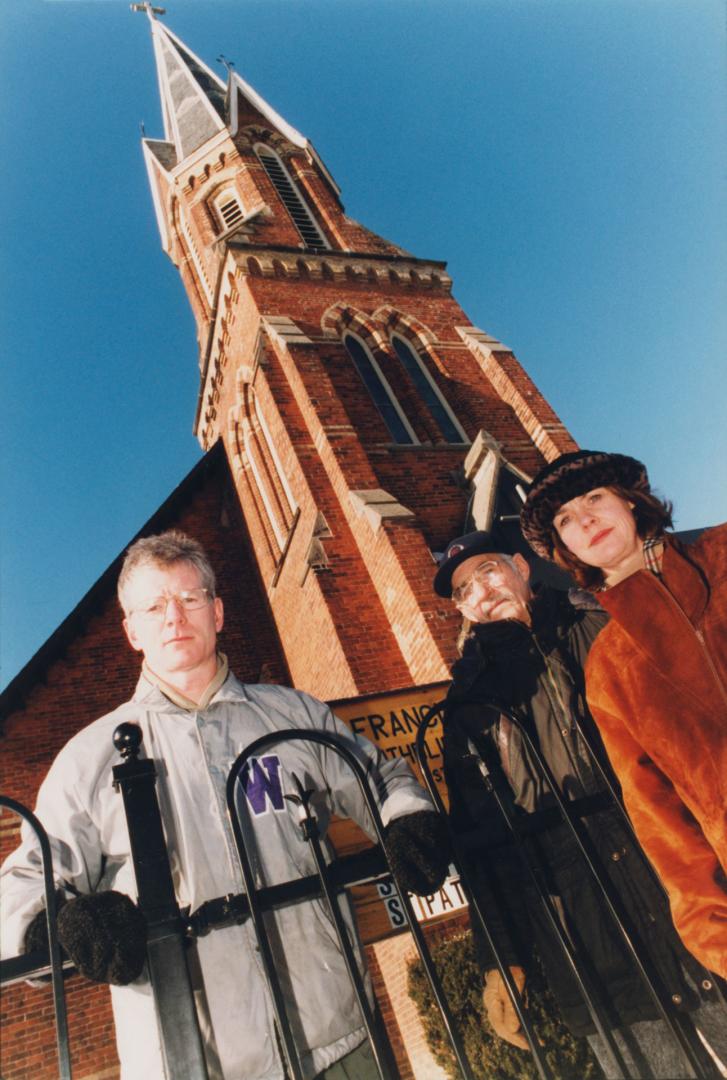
{"x":261,"y":781}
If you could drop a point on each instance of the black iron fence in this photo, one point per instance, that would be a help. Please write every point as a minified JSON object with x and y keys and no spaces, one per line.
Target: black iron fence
{"x":22,"y":967}
{"x":572,"y":813}
{"x":170,"y":929}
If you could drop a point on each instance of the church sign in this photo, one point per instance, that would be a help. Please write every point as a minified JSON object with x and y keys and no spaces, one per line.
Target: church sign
{"x":391,"y":722}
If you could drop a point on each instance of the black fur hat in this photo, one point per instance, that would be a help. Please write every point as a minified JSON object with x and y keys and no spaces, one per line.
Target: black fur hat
{"x":569,"y":476}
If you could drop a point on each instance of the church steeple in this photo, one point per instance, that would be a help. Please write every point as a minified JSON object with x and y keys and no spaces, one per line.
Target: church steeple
{"x":364,"y":417}
{"x":196,"y":103}
{"x":229,"y":168}
{"x":193,"y":98}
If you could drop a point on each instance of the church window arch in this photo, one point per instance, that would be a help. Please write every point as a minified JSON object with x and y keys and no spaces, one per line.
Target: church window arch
{"x":429,"y":392}
{"x":378,"y":387}
{"x":291,"y":197}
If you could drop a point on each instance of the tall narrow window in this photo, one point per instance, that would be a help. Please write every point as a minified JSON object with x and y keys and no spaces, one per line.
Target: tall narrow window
{"x":391,"y":412}
{"x":291,"y":198}
{"x":286,"y":499}
{"x":262,"y":482}
{"x":428,"y":390}
{"x":196,"y":258}
{"x":271,"y":489}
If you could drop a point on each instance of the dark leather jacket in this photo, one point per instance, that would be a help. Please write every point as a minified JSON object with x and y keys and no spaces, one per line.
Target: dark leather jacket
{"x":537,"y":672}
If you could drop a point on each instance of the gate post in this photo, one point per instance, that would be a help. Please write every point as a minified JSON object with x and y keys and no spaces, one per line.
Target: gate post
{"x":181,"y":1040}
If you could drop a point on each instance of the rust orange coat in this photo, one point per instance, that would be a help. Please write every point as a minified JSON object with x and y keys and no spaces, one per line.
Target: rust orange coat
{"x":656,"y":681}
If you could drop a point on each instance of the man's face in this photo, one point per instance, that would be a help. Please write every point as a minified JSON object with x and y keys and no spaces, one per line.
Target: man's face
{"x":488,"y":588}
{"x":180,"y":641}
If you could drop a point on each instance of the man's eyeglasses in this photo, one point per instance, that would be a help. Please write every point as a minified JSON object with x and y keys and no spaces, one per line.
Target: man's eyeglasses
{"x":188,"y":600}
{"x":482,"y":575}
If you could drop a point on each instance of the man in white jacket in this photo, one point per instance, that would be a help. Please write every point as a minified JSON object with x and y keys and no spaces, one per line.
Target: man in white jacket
{"x":196,"y":718}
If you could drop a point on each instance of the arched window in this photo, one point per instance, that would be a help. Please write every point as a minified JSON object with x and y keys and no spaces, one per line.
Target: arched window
{"x":291,"y":198}
{"x":373,"y":378}
{"x":428,"y":390}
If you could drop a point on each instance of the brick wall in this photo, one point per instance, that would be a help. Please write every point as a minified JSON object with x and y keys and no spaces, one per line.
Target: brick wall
{"x":389,"y":960}
{"x":372,"y":622}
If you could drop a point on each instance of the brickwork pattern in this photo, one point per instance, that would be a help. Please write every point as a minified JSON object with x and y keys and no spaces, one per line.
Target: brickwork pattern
{"x":332,"y":440}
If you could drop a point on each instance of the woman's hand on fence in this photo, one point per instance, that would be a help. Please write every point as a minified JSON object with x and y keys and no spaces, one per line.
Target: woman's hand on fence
{"x":500,"y":1009}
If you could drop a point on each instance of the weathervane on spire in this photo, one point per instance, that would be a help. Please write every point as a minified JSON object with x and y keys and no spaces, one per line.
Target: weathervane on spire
{"x":148,"y":8}
{"x":229,"y":64}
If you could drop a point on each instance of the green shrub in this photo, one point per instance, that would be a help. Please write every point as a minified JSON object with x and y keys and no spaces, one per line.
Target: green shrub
{"x":492,"y":1058}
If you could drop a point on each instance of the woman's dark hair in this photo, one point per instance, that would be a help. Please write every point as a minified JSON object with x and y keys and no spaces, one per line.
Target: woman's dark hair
{"x":652,"y":516}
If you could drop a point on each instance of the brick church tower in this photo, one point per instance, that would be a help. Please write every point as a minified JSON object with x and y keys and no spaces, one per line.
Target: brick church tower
{"x":354,"y":421}
{"x":365,"y":420}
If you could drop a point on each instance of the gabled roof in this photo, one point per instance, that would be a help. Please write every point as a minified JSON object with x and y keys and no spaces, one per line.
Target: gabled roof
{"x":238,"y":84}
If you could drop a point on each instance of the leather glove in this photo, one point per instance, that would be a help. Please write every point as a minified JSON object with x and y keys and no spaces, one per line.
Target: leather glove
{"x":104,"y":934}
{"x":500,"y":1009}
{"x":419,"y":851}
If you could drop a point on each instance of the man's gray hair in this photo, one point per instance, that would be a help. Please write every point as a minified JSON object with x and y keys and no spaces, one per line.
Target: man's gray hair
{"x":164,"y":550}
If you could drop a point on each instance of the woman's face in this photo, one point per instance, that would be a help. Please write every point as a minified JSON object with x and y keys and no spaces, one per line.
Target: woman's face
{"x":599,"y":528}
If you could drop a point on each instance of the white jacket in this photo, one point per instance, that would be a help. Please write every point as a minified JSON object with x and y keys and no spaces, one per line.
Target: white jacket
{"x":194,"y":751}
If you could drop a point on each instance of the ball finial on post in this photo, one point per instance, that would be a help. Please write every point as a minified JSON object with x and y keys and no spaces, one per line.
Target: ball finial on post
{"x":127,"y":740}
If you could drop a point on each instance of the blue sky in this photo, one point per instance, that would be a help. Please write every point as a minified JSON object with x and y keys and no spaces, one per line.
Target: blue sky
{"x":567,"y":159}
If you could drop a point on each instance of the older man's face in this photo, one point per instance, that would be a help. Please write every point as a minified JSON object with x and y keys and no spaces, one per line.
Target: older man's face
{"x":178,"y":640}
{"x":488,"y":588}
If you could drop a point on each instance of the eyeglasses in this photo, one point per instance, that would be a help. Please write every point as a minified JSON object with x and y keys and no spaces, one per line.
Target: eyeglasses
{"x":188,"y":600}
{"x":482,"y":575}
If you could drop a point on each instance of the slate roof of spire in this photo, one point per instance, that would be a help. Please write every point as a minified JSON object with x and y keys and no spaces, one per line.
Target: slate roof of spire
{"x":193,"y":97}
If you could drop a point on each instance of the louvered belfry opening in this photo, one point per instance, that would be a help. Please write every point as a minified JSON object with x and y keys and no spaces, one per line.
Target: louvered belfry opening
{"x":292,"y":200}
{"x":230,"y":212}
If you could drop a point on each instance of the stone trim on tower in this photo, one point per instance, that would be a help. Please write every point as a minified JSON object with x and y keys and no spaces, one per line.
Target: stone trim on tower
{"x":378,"y":506}
{"x":513,"y":385}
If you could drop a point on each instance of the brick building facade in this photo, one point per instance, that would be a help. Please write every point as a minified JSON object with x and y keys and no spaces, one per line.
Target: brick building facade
{"x":353,"y":420}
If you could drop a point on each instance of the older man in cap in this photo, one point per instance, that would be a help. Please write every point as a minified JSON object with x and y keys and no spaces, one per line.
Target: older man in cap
{"x":525,"y":651}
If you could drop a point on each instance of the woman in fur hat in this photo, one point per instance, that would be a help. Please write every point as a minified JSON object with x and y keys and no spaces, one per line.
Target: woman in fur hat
{"x":656,"y":676}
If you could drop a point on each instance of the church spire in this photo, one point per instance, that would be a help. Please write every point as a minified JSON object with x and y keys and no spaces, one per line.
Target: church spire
{"x":192,"y":96}
{"x":196,"y":103}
